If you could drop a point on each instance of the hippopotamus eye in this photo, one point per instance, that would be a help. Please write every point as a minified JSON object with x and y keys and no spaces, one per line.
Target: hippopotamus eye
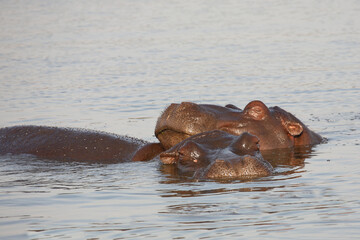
{"x":191,"y":149}
{"x":256,"y":110}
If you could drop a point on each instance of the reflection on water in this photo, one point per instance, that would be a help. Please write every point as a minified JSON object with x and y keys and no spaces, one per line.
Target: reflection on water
{"x":289,"y":157}
{"x":114,"y":66}
{"x":145,"y":200}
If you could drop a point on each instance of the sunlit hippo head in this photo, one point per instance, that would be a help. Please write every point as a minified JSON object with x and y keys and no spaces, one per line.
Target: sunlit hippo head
{"x":275,"y":127}
{"x":217,"y":154}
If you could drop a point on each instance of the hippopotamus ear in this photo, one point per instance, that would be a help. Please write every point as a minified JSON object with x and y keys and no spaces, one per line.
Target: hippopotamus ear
{"x":246,"y":143}
{"x":232,"y":106}
{"x":147,"y":152}
{"x":293,"y":128}
{"x":290,"y":123}
{"x":256,"y":110}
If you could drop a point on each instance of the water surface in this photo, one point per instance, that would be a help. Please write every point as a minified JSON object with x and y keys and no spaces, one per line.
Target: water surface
{"x":115,"y":65}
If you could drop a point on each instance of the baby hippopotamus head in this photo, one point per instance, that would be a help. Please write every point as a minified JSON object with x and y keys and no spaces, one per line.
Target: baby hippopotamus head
{"x":217,"y":155}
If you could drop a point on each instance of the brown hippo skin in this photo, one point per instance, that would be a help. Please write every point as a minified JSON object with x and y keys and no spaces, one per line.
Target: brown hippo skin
{"x":275,"y":127}
{"x":218,"y":155}
{"x":75,"y":145}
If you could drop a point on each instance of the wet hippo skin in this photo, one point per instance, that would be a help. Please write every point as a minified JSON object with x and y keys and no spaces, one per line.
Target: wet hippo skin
{"x":275,"y":127}
{"x":213,"y":154}
{"x":75,"y":144}
{"x":217,"y":154}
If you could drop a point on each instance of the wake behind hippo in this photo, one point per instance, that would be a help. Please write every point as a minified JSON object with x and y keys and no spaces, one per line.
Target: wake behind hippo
{"x":275,"y":127}
{"x":218,"y":155}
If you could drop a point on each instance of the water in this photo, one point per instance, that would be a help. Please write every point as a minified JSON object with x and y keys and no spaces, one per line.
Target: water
{"x":115,"y":65}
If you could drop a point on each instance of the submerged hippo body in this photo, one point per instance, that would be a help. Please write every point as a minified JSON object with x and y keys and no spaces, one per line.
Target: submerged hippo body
{"x":74,"y":144}
{"x":275,"y":127}
{"x":213,"y":154}
{"x":217,"y":154}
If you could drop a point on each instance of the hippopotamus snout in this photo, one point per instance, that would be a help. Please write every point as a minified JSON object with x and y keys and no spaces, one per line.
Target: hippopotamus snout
{"x":217,"y":154}
{"x":180,"y":121}
{"x":243,"y":166}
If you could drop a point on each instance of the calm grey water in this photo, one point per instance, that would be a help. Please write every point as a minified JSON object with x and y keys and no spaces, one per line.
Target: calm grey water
{"x":115,"y":65}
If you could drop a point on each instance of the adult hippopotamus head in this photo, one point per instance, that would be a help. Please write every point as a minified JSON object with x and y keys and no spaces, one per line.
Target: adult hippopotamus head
{"x":275,"y":127}
{"x":217,"y":154}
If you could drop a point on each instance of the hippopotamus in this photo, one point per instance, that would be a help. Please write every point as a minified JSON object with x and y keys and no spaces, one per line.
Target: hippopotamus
{"x":275,"y":127}
{"x":218,"y":155}
{"x":71,"y":144}
{"x":214,"y":154}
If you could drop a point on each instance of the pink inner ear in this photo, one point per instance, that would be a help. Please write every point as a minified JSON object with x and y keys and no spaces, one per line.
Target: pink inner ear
{"x":295,"y":129}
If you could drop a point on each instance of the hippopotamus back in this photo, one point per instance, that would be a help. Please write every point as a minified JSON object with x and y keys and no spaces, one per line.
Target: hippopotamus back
{"x":68,"y":144}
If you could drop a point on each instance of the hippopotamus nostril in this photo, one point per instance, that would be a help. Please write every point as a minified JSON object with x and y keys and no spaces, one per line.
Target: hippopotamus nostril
{"x":188,"y":104}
